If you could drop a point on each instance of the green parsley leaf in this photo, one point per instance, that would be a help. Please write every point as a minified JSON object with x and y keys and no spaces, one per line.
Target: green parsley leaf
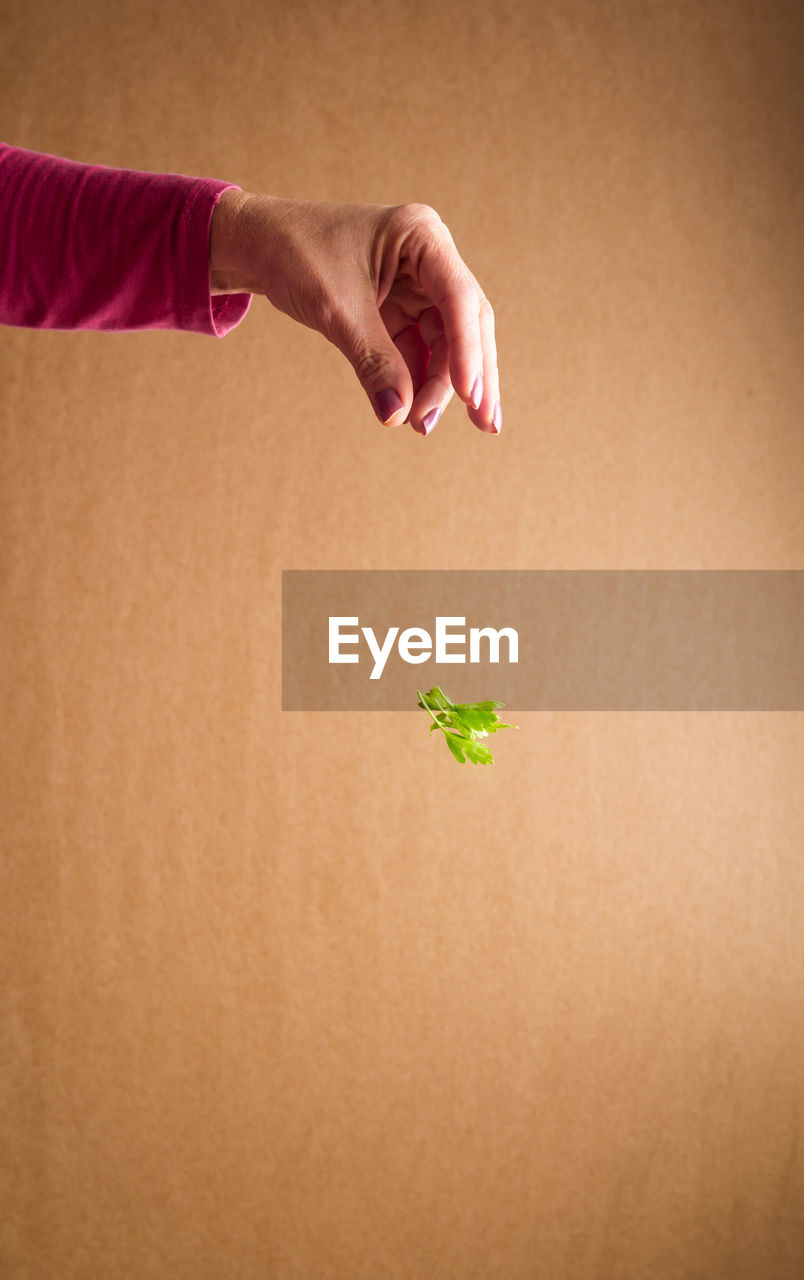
{"x":463,"y":723}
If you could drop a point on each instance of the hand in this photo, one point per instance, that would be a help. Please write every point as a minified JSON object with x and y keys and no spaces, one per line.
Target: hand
{"x":384,"y":283}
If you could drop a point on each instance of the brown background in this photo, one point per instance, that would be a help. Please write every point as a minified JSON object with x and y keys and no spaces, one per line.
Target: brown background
{"x":296,"y":996}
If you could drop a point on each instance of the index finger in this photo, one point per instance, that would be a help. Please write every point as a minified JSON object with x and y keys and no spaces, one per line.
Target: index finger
{"x":467,"y":316}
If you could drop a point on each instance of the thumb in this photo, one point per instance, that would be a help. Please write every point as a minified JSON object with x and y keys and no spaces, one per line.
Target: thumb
{"x":382,"y":372}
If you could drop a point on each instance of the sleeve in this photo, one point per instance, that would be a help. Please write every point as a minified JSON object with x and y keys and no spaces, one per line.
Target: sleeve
{"x":87,"y":247}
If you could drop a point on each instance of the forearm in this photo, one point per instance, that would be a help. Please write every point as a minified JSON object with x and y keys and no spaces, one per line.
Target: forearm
{"x":88,"y":247}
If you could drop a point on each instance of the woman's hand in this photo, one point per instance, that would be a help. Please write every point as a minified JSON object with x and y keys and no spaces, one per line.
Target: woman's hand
{"x":384,"y":283}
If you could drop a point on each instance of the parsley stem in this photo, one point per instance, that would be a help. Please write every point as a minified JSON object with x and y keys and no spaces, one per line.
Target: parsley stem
{"x":423,"y":703}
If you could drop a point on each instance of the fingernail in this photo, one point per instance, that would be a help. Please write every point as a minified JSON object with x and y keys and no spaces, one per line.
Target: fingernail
{"x":496,"y":418}
{"x":430,"y":419}
{"x":387,"y":403}
{"x":421,"y":430}
{"x":477,"y":393}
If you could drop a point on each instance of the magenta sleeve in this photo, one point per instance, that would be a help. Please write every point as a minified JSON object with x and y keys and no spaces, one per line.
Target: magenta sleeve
{"x":87,"y":247}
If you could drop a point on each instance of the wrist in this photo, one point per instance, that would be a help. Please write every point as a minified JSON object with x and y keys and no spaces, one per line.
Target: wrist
{"x":227,"y":273}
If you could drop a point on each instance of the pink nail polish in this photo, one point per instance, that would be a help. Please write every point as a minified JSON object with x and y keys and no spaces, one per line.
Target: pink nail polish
{"x":388,"y":403}
{"x":430,"y":419}
{"x":496,"y":418}
{"x":477,"y":392}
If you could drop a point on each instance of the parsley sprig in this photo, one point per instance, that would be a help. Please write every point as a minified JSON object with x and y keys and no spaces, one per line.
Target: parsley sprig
{"x":463,"y":724}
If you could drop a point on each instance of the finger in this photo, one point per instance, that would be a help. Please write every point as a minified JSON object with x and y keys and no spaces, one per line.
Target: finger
{"x":452,"y":288}
{"x":381,"y":368}
{"x":416,"y":354}
{"x":435,"y":392}
{"x":488,"y":416}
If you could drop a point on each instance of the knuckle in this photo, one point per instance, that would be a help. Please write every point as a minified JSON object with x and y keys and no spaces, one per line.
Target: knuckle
{"x":423,"y":213}
{"x":368,"y":364}
{"x":465,"y":289}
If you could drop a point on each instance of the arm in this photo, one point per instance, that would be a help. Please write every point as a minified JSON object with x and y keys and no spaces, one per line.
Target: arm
{"x":88,"y":247}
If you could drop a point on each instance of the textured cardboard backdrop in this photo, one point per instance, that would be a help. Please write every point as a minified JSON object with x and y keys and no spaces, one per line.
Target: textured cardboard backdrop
{"x":295,"y":996}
